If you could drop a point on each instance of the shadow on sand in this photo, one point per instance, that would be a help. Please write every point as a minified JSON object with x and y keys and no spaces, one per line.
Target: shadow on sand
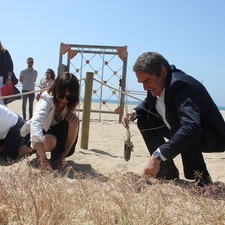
{"x":73,"y":170}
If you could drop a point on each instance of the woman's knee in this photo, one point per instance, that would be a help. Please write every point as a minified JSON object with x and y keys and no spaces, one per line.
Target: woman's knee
{"x":50,"y":142}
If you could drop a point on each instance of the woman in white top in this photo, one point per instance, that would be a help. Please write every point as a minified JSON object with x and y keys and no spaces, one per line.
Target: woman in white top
{"x":46,"y":81}
{"x":54,"y":125}
{"x":12,"y":145}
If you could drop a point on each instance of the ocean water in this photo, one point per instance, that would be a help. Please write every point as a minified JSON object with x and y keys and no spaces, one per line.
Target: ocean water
{"x":134,"y":102}
{"x":116,"y":101}
{"x":222,"y":108}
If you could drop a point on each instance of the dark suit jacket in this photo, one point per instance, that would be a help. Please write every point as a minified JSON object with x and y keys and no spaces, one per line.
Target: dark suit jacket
{"x":6,"y":65}
{"x":192,"y":114}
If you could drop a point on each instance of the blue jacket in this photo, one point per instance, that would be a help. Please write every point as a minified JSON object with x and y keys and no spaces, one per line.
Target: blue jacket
{"x":191,"y":113}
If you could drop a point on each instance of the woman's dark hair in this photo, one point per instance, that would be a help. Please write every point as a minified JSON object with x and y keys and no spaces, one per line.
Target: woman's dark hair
{"x":66,"y":82}
{"x":52,"y":73}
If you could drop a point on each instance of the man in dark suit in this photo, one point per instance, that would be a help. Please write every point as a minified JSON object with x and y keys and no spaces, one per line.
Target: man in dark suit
{"x":178,"y":116}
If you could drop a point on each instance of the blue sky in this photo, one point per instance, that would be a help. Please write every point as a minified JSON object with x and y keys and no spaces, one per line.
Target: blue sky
{"x":190,"y":34}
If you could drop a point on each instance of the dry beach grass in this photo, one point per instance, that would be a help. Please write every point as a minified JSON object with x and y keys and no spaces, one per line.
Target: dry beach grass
{"x":99,"y":187}
{"x":30,"y":197}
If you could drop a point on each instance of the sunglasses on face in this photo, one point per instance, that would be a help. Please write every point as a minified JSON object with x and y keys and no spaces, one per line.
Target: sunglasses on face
{"x":68,"y":97}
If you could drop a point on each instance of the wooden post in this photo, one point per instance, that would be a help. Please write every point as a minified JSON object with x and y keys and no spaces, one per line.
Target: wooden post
{"x":123,"y":89}
{"x":60,"y":61}
{"x":86,"y":110}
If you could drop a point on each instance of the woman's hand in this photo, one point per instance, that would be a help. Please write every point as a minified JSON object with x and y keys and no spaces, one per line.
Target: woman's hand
{"x":60,"y":163}
{"x":42,"y":157}
{"x":8,"y":81}
{"x":72,"y":118}
{"x":9,"y":78}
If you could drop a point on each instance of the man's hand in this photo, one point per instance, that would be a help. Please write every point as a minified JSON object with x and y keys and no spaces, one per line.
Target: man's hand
{"x":152,"y":167}
{"x":127,"y":118}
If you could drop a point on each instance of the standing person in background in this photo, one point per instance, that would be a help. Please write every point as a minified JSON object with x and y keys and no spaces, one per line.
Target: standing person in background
{"x":6,"y":68}
{"x":28,"y":78}
{"x":46,"y":81}
{"x":178,"y":108}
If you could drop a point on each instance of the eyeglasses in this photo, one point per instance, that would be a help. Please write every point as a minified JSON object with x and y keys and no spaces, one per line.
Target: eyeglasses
{"x":30,"y":62}
{"x":48,"y":72}
{"x":68,"y":97}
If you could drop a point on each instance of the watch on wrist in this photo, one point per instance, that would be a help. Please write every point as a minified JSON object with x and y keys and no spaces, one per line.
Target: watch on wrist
{"x":157,"y":155}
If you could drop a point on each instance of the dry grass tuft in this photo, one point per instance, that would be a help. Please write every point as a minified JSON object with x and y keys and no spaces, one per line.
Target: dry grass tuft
{"x":31,"y":197}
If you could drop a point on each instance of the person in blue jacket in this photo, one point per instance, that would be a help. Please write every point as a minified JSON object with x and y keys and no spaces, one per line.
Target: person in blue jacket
{"x":178,"y":116}
{"x":12,"y":145}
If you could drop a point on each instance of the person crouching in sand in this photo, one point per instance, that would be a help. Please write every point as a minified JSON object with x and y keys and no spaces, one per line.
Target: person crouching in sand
{"x":54,"y":125}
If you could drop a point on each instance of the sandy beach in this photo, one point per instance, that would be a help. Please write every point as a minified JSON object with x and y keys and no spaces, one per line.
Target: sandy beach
{"x":105,"y":153}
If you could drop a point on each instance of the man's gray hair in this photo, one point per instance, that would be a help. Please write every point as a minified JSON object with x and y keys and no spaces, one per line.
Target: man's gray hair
{"x":151,"y":62}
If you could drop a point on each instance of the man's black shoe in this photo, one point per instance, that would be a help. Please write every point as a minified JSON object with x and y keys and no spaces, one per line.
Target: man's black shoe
{"x":203,"y":180}
{"x":168,"y":171}
{"x":168,"y":174}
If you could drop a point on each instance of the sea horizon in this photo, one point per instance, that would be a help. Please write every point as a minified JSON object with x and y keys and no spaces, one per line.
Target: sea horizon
{"x":114,"y":101}
{"x":135,"y":102}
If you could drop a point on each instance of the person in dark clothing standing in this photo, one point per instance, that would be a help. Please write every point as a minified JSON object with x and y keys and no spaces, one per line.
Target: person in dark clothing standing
{"x":178,"y":116}
{"x":6,"y":68}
